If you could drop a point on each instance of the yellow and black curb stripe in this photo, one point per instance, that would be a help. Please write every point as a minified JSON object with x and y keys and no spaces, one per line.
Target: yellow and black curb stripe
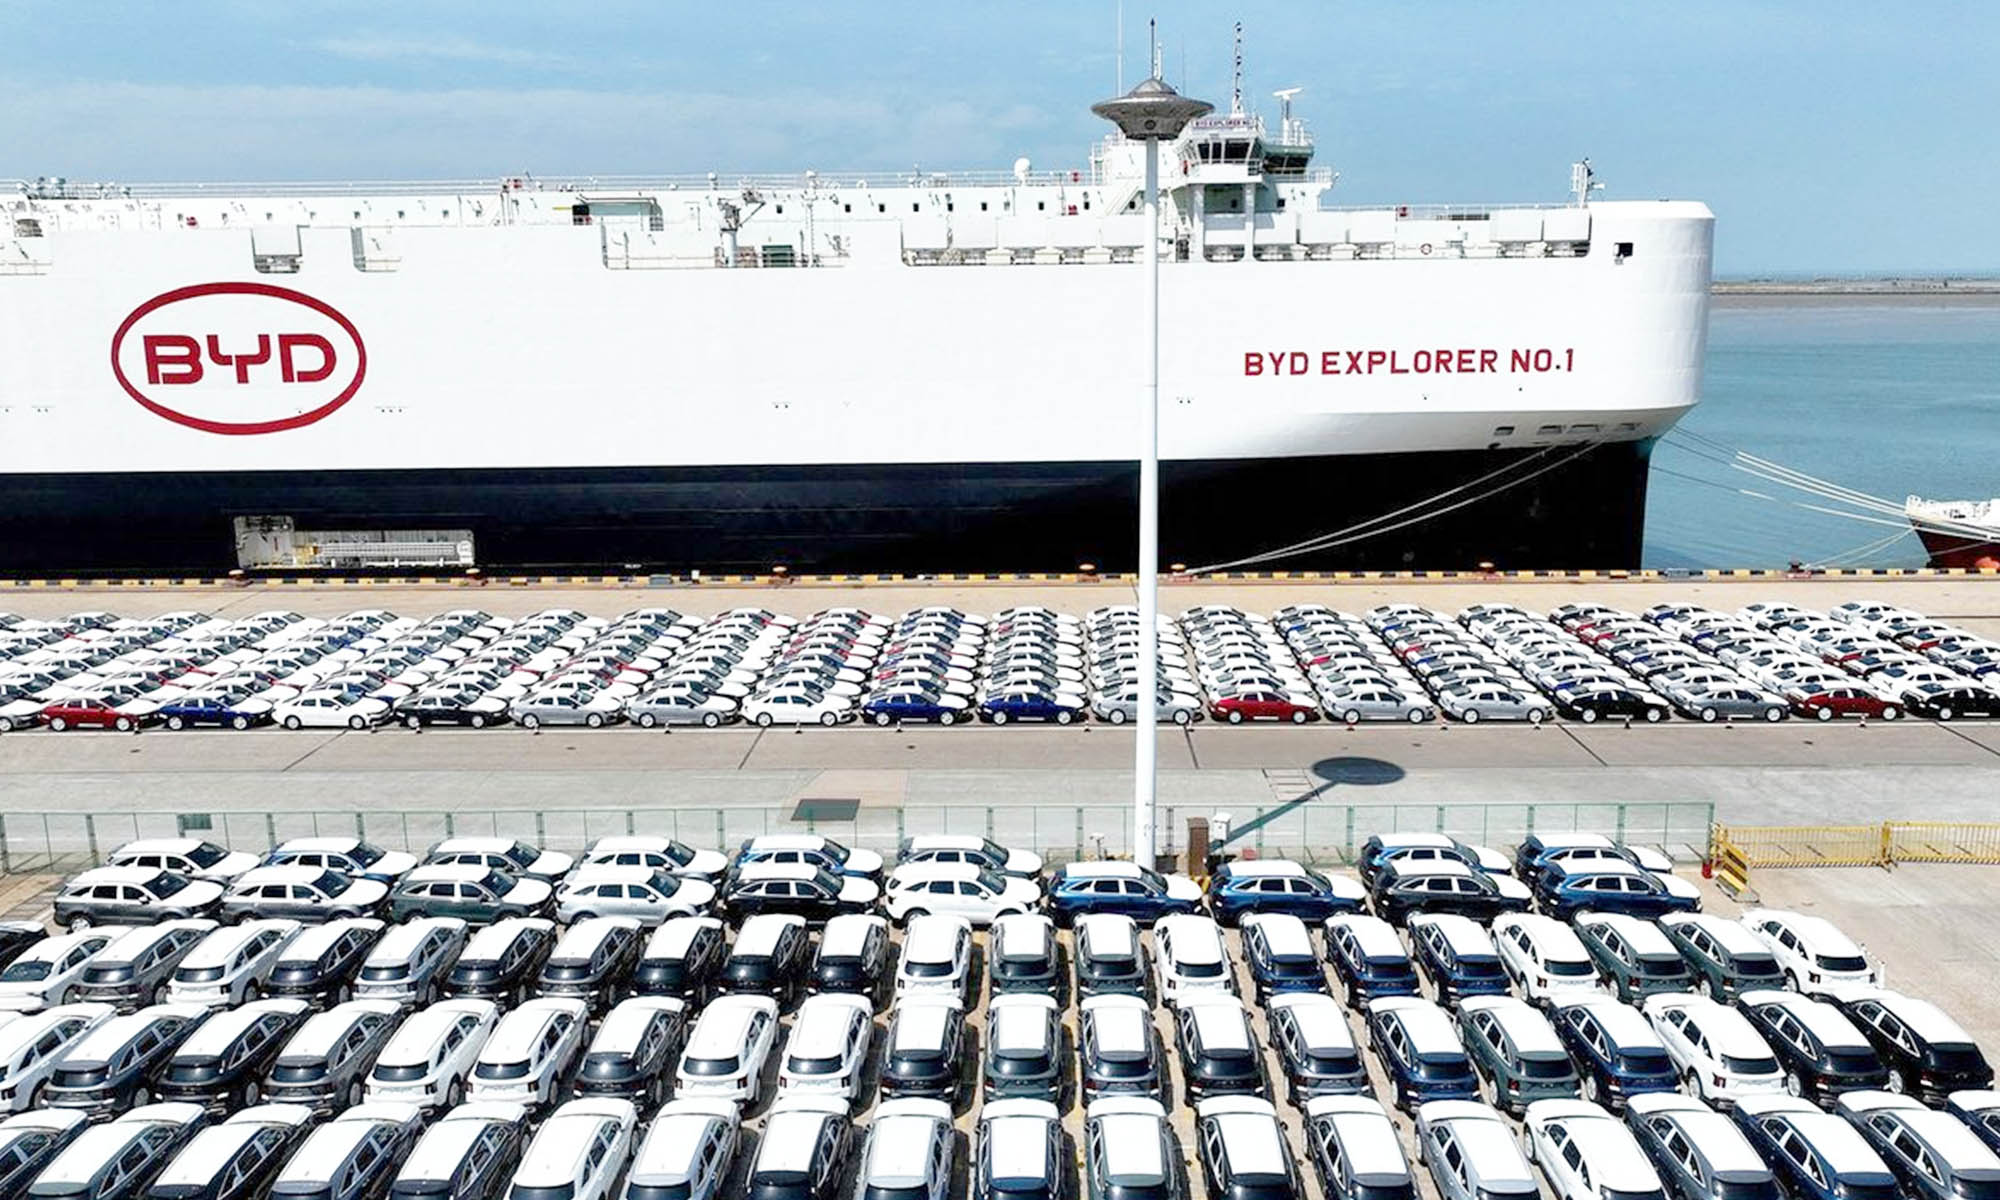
{"x":1078,"y":577}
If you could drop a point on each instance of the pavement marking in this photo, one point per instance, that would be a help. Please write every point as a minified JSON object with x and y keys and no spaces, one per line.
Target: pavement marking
{"x":1952,"y":729}
{"x":1571,"y":734}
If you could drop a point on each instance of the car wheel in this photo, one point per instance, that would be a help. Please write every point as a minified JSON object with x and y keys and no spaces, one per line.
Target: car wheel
{"x":58,"y":724}
{"x":1691,"y":1083}
{"x":478,"y":721}
{"x":1775,"y":715}
{"x":1471,"y":716}
{"x":357,"y":722}
{"x":1794,"y":1086}
{"x":1300,"y":716}
{"x":1654,"y":716}
{"x":1709,"y":715}
{"x":6,"y":724}
{"x":1117,"y":716}
{"x":829,"y":719}
{"x":293,"y":723}
{"x":1896,"y":1084}
{"x":1235,"y":716}
{"x":594,"y":721}
{"x":251,"y":1094}
{"x":176,"y":723}
{"x":764,"y":720}
{"x":911,"y":914}
{"x":1537,"y":715}
{"x":79,"y":923}
{"x":1183,"y":716}
{"x":1944,"y":713}
{"x":1418,"y":716}
{"x":354,"y":1093}
{"x":1823,"y":713}
{"x":239,"y":723}
{"x":999,"y":718}
{"x":141,"y":1097}
{"x":1590,"y":1093}
{"x":947,"y":718}
{"x":1890,"y":712}
{"x":711,"y":720}
{"x":413,"y":723}
{"x":1588,"y":716}
{"x":1064,"y":716}
{"x":159,"y":993}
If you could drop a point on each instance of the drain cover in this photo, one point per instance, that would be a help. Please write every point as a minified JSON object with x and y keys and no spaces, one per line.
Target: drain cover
{"x":826,"y":810}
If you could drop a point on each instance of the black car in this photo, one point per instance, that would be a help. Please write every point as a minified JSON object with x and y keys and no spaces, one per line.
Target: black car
{"x":16,"y":937}
{"x":633,"y":1053}
{"x":221,"y":1066}
{"x":502,"y":961}
{"x":29,"y":1142}
{"x":800,"y":889}
{"x":325,"y":1065}
{"x":470,"y":1153}
{"x":120,"y":1166}
{"x":1943,"y":702}
{"x":236,"y":1160}
{"x":1435,"y":887}
{"x":1024,"y":1049}
{"x":593,"y":961}
{"x":1822,"y":1052}
{"x":138,"y":965}
{"x":1109,"y":957}
{"x":780,"y":1172}
{"x":458,"y":706}
{"x":111,"y":1068}
{"x":924,"y":1050}
{"x":683,"y":958}
{"x":319,"y":965}
{"x":853,"y":957}
{"x":1612,"y":704}
{"x":1928,"y":1054}
{"x":769,"y":958}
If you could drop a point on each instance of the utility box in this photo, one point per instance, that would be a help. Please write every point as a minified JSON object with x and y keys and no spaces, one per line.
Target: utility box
{"x":1197,"y":846}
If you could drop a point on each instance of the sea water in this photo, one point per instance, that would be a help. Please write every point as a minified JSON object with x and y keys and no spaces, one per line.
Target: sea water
{"x":1889,"y":397}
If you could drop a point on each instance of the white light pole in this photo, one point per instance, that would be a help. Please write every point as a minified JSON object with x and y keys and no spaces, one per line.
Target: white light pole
{"x":1149,"y":114}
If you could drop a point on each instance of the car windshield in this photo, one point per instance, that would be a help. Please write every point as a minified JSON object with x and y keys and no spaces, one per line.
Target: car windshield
{"x":801,"y":1065}
{"x":1955,"y":1056}
{"x":919,"y":969}
{"x":1443,"y":1066}
{"x":1647,"y":1061}
{"x":1569,"y":968}
{"x":365,"y":854}
{"x":1480,"y":968}
{"x":166,"y":885}
{"x":1545,"y":1068}
{"x":834,"y":850}
{"x":1617,"y":1194}
{"x":1841,"y":962}
{"x":1753,"y":1065}
{"x":681,"y":853}
{"x":1761,"y":1189}
{"x":502,"y":1070}
{"x":1199,"y":970}
{"x":1852,"y":1062}
{"x":331,"y":883}
{"x":207,"y":854}
{"x":495,"y":882}
{"x":26,"y":971}
{"x":521,"y":855}
{"x":1663,"y":968}
{"x":710,"y":1066}
{"x":1759,"y":966}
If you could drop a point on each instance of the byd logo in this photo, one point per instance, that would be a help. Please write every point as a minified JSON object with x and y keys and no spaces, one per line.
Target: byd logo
{"x":238,"y":357}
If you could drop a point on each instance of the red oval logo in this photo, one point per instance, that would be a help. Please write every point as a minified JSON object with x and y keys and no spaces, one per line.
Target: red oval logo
{"x":238,"y":358}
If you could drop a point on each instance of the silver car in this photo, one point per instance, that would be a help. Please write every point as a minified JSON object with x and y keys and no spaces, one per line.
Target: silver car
{"x":1371,"y":703}
{"x":1730,"y":704}
{"x":566,"y":708}
{"x":1491,"y":702}
{"x":680,"y":706}
{"x":1123,"y":706}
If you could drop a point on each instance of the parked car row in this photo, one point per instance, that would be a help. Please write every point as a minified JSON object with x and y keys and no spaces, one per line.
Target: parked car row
{"x":1113,"y":642}
{"x":1246,"y":670}
{"x":1470,"y":680}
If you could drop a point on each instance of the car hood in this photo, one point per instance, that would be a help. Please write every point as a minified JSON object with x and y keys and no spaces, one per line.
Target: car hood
{"x":230,"y":865}
{"x":861,"y":862}
{"x":698,"y":893}
{"x":392,"y":862}
{"x":530,"y":892}
{"x":1023,"y":862}
{"x":1023,"y":891}
{"x":551,"y":863}
{"x":705,"y":862}
{"x":1677,"y":887}
{"x":1180,"y":887}
{"x":856,"y":890}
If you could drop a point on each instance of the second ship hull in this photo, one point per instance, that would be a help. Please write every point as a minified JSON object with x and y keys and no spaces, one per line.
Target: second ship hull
{"x":1585,"y":510}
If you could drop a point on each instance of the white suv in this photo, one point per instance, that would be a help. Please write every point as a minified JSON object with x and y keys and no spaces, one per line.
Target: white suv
{"x":1721,"y":1056}
{"x":726,"y":1050}
{"x":1812,"y":950}
{"x":937,"y":958}
{"x":1545,"y":958}
{"x":45,"y":974}
{"x":959,"y":890}
{"x":225,"y":967}
{"x":431,"y":1054}
{"x":909,"y":1151}
{"x":687,"y":1152}
{"x":1189,"y":959}
{"x":31,"y":1046}
{"x":579,"y":1152}
{"x":528,"y":1057}
{"x":1586,"y":1153}
{"x":828,"y":1048}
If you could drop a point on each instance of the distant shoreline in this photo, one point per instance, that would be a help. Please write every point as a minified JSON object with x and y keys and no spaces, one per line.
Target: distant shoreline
{"x":1934,"y":290}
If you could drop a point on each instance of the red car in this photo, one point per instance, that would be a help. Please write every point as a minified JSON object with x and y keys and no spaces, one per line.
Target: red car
{"x":90,"y":712}
{"x":1261,"y":706}
{"x":1828,"y":703}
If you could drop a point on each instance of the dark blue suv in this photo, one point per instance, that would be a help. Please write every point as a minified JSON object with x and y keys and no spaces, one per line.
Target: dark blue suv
{"x":1457,"y":955}
{"x":1616,"y":1051}
{"x":1278,"y":949}
{"x":1420,"y":1052}
{"x":1369,"y":959}
{"x":1815,"y":1155}
{"x":1119,"y":887}
{"x":1562,"y":892}
{"x":1276,"y":885}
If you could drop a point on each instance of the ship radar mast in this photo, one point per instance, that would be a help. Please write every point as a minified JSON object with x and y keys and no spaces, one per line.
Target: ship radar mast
{"x":1582,"y":182}
{"x":1291,"y":130}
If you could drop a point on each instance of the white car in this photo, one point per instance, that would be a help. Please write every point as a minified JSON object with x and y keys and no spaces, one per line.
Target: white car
{"x":827,"y":1052}
{"x":527,"y":1058}
{"x":645,"y":895}
{"x":580,"y":1152}
{"x":659,"y":853}
{"x":431,"y":1055}
{"x":936,"y":958}
{"x":230,"y":964}
{"x":1720,"y":1055}
{"x":963,"y":890}
{"x":31,"y":1046}
{"x":1189,"y":959}
{"x":44,"y":975}
{"x":727,"y":1048}
{"x":1544,"y":958}
{"x":788,"y":707}
{"x":984,"y":852}
{"x":1812,"y":950}
{"x":192,"y":857}
{"x":1586,"y":1153}
{"x":328,"y":709}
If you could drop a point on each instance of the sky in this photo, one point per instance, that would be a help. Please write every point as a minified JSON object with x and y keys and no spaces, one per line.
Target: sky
{"x":1829,"y":136}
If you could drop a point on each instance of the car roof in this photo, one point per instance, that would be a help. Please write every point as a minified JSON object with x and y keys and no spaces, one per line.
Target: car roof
{"x":1369,"y":1140}
{"x":559,"y":1145}
{"x":1023,"y":935}
{"x":220,"y":1031}
{"x":1132,"y":1146}
{"x":1491,"y":1151}
{"x":448,"y":873}
{"x":208,"y":1153}
{"x":216,"y":948}
{"x":521,"y":1028}
{"x":1252,"y":1141}
{"x":341,"y":844}
{"x":823,"y":1020}
{"x":1108,"y":869}
{"x":724,"y":1022}
{"x":93,"y":1150}
{"x":899,"y":1149}
{"x":1464,"y":935}
{"x":1119,"y":1028}
{"x":1615,"y":1160}
{"x":1264,"y":868}
{"x":920,"y":1026}
{"x":1428,"y":1027}
{"x":788,"y":841}
{"x":314,"y":940}
{"x":440,"y":1153}
{"x":582,"y":939}
{"x":627,"y":1022}
{"x":262,"y":875}
{"x":1019,"y":1023}
{"x":1376,"y":937}
{"x":1195,"y":939}
{"x":133,"y":875}
{"x":1644,"y":937}
{"x":1017,"y":1143}
{"x":758,"y":936}
{"x":1730,"y":935}
{"x":1844,"y":1149}
{"x":846,"y":934}
{"x":671,"y":1143}
{"x":490,"y":941}
{"x":776,"y":870}
{"x":1523,"y":1023}
{"x":1220,"y":1021}
{"x":929,"y":938}
{"x":487,"y":845}
{"x":1925,"y":1019}
{"x":925,"y":872}
{"x":1283,"y":933}
{"x":1551,"y":937}
{"x":402,"y":940}
{"x":1622,"y":1023}
{"x":158,"y":846}
{"x":322,"y":1031}
{"x":1822,"y":1020}
{"x":676,"y":934}
{"x":1110,"y":934}
{"x":419,"y":1033}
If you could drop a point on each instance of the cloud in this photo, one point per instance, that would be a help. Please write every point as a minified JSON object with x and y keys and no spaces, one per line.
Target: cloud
{"x":391,"y":47}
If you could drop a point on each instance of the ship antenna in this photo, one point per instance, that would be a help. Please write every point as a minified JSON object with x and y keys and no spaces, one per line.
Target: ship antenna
{"x":1236,"y":79}
{"x":1153,"y":36}
{"x":1119,"y":48}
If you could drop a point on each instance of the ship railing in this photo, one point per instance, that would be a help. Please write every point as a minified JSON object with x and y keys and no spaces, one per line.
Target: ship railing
{"x":800,"y":180}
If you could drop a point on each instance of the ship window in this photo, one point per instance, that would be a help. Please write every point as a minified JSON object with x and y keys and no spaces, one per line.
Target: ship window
{"x":881,"y":208}
{"x":914,"y":208}
{"x":781,"y":210}
{"x":847,"y":208}
{"x":1041,"y":206}
{"x":1281,"y":204}
{"x":982,"y":206}
{"x":1086,"y":204}
{"x":1503,"y":431}
{"x":1624,"y":249}
{"x":948,"y":206}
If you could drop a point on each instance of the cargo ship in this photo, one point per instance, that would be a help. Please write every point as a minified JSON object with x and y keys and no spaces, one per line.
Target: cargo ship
{"x":883,"y":372}
{"x":1957,"y":533}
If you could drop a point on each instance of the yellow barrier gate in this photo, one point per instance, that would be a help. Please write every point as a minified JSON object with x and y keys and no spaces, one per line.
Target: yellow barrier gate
{"x":1733,"y":850}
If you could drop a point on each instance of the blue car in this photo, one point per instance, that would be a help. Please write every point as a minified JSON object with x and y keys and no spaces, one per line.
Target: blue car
{"x":1384,"y":848}
{"x":1124,"y":888}
{"x":1816,"y":1155}
{"x":1030,"y":706}
{"x":1457,"y":955}
{"x":891,"y":707}
{"x":1369,"y":958}
{"x":1276,"y":885}
{"x":1610,"y":886}
{"x":1419,"y":1050}
{"x":1615,"y":1050}
{"x":1278,"y":949}
{"x":218,"y":709}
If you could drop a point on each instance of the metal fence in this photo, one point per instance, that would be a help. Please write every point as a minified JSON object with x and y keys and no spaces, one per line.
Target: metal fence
{"x":1308,"y":829}
{"x":1879,"y":845}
